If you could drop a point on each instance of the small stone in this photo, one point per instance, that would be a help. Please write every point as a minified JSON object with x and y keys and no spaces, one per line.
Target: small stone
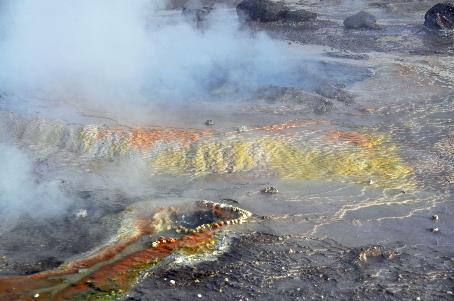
{"x":209,"y":122}
{"x":435,"y":230}
{"x":242,"y":129}
{"x":291,"y":251}
{"x":36,"y":296}
{"x":82,"y":213}
{"x":226,"y":279}
{"x":197,"y":281}
{"x":270,"y":190}
{"x":435,"y":217}
{"x":172,"y":282}
{"x":450,"y":293}
{"x":199,"y":295}
{"x":418,"y":298}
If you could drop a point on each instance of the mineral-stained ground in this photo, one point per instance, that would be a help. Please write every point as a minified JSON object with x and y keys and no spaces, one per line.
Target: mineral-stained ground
{"x":365,"y":178}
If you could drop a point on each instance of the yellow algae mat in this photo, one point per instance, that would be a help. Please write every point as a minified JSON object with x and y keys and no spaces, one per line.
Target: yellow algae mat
{"x":369,"y":159}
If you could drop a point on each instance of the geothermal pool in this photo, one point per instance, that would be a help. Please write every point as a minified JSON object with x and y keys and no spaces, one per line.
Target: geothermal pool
{"x":115,"y":187}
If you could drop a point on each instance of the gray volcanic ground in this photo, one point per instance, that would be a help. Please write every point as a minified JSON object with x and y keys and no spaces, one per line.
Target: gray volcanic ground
{"x":355,"y":128}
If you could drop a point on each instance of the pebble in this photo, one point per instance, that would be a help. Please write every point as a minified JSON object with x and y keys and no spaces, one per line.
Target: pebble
{"x":435,"y":230}
{"x":172,"y":282}
{"x":209,"y":122}
{"x":82,"y":213}
{"x":199,"y":295}
{"x":270,"y":190}
{"x":36,"y":296}
{"x":435,"y":217}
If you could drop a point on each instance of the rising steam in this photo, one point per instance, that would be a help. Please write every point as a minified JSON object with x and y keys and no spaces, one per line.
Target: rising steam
{"x":114,"y":51}
{"x":21,"y":194}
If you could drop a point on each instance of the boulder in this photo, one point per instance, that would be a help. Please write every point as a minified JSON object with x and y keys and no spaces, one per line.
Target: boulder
{"x":331,"y":91}
{"x":261,"y":10}
{"x":361,"y":20}
{"x":269,"y":11}
{"x":440,"y":17}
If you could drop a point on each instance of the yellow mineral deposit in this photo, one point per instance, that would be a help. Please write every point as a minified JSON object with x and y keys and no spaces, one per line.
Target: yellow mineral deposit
{"x":211,"y":157}
{"x":366,"y":159}
{"x":358,"y":157}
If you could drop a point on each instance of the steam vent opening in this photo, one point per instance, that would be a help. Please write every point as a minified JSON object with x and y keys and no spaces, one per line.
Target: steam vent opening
{"x":226,"y":150}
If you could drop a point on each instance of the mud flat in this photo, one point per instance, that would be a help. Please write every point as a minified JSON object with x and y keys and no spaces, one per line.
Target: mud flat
{"x":363,"y":164}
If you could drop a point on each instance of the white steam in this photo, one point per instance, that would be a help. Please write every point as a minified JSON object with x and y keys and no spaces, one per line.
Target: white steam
{"x":117,"y":51}
{"x":20,"y":192}
{"x":76,"y":48}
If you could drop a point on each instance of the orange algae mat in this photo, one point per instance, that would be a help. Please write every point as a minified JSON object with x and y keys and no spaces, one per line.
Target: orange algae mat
{"x":145,"y":138}
{"x":110,"y":271}
{"x":355,"y":138}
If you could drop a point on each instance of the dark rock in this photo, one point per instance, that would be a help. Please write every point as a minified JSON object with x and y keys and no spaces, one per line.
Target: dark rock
{"x":440,"y":17}
{"x":268,"y":11}
{"x":361,"y":20}
{"x":261,"y":10}
{"x":331,"y":91}
{"x":323,"y":106}
{"x":327,"y":90}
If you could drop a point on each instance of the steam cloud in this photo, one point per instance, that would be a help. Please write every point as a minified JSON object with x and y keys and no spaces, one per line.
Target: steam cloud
{"x":114,"y":51}
{"x":20,"y":192}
